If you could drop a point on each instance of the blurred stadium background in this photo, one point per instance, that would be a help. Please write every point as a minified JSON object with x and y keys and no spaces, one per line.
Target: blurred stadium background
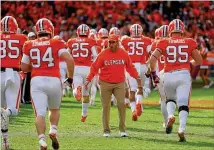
{"x":68,"y":15}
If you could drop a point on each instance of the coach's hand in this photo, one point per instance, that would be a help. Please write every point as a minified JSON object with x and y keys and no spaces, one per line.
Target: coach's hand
{"x":69,"y":82}
{"x":86,"y":84}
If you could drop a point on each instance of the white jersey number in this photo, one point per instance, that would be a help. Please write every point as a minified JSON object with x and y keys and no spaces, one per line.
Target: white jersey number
{"x":177,"y":54}
{"x":14,"y":51}
{"x":80,"y":50}
{"x":135,"y":48}
{"x":47,"y":57}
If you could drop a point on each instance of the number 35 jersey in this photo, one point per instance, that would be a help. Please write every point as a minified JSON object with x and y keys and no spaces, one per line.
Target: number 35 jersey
{"x":177,"y":52}
{"x":138,"y":48}
{"x":44,"y":55}
{"x":82,"y":49}
{"x":11,"y":50}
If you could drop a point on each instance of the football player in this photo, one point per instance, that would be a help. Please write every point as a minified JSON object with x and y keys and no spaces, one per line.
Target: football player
{"x":11,"y":54}
{"x":41,"y":57}
{"x":177,"y":51}
{"x":138,"y":47}
{"x":82,"y":48}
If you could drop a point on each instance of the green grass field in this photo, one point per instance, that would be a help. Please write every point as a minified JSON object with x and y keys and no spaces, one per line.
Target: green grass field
{"x":145,"y":134}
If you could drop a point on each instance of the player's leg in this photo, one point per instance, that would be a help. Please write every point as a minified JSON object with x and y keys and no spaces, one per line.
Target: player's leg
{"x":54,"y":102}
{"x":63,"y":72}
{"x":93,"y":91}
{"x":170,"y":80}
{"x":77,"y":87}
{"x":4,"y":116}
{"x":162,"y":100}
{"x":105,"y":95}
{"x":183,"y":93}
{"x":39,"y":102}
{"x":132,"y":90}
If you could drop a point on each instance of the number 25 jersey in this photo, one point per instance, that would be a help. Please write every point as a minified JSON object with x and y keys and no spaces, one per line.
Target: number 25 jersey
{"x":177,"y":52}
{"x":44,"y":56}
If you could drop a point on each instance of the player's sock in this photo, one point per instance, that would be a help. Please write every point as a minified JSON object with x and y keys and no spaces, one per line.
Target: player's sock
{"x":164,"y":110}
{"x":133,"y":106}
{"x":183,"y":119}
{"x":93,"y":93}
{"x":171,"y":106}
{"x":53,"y":129}
{"x":41,"y":136}
{"x":126,"y":100}
{"x":84,"y":109}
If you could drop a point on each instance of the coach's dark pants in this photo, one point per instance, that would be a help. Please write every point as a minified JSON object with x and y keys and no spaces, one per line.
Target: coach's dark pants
{"x":118,"y":90}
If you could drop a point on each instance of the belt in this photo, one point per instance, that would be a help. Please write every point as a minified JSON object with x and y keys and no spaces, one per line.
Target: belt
{"x":14,"y":69}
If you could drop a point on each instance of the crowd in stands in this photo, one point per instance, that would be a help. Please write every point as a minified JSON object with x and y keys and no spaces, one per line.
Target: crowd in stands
{"x":68,"y":15}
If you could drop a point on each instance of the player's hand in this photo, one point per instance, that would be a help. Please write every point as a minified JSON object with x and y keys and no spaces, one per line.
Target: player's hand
{"x":155,"y":78}
{"x":69,"y":81}
{"x":86,"y":84}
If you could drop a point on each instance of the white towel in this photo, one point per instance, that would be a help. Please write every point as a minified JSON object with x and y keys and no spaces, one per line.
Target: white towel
{"x":9,"y":76}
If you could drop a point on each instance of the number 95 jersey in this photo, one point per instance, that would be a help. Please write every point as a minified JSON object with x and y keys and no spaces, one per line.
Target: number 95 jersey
{"x":177,"y":52}
{"x":11,"y":50}
{"x":81,"y":50}
{"x":44,"y":56}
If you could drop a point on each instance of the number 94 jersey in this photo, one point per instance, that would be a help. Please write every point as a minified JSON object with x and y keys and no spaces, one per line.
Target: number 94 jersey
{"x":81,"y":50}
{"x":11,"y":50}
{"x":138,"y":48}
{"x":44,"y":56}
{"x":177,"y":52}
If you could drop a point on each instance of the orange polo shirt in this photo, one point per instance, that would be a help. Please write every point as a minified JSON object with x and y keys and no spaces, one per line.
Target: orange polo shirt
{"x":112,"y":66}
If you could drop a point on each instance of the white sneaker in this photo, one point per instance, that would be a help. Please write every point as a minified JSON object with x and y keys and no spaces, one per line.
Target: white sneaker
{"x":106,"y":134}
{"x":123,"y":134}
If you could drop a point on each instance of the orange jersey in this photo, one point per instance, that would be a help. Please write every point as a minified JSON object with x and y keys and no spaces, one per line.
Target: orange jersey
{"x":161,"y":60}
{"x":138,"y":48}
{"x":44,"y":55}
{"x":112,"y":66}
{"x":177,"y":52}
{"x":204,"y":52}
{"x":11,"y":50}
{"x":102,"y":44}
{"x":81,"y":50}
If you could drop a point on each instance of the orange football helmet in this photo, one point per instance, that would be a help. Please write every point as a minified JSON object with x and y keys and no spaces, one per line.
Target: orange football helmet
{"x":114,"y":31}
{"x":176,"y":25}
{"x":136,"y":30}
{"x":163,"y":31}
{"x":44,"y":25}
{"x":9,"y":25}
{"x":83,"y":29}
{"x":103,"y":33}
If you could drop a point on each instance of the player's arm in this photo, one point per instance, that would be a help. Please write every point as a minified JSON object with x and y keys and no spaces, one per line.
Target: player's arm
{"x":197,"y":58}
{"x":25,"y":62}
{"x":94,"y":52}
{"x":154,"y":58}
{"x":66,"y":56}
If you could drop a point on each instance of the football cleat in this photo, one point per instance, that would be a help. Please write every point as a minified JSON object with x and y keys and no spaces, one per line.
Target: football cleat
{"x":83,"y":119}
{"x":139,"y":109}
{"x":134,"y":116}
{"x":169,"y":125}
{"x":123,"y":134}
{"x":181,"y":136}
{"x":54,"y":139}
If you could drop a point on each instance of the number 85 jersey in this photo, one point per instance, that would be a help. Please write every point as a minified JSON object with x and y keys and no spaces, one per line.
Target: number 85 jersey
{"x":44,"y":55}
{"x":177,"y":52}
{"x":11,"y":50}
